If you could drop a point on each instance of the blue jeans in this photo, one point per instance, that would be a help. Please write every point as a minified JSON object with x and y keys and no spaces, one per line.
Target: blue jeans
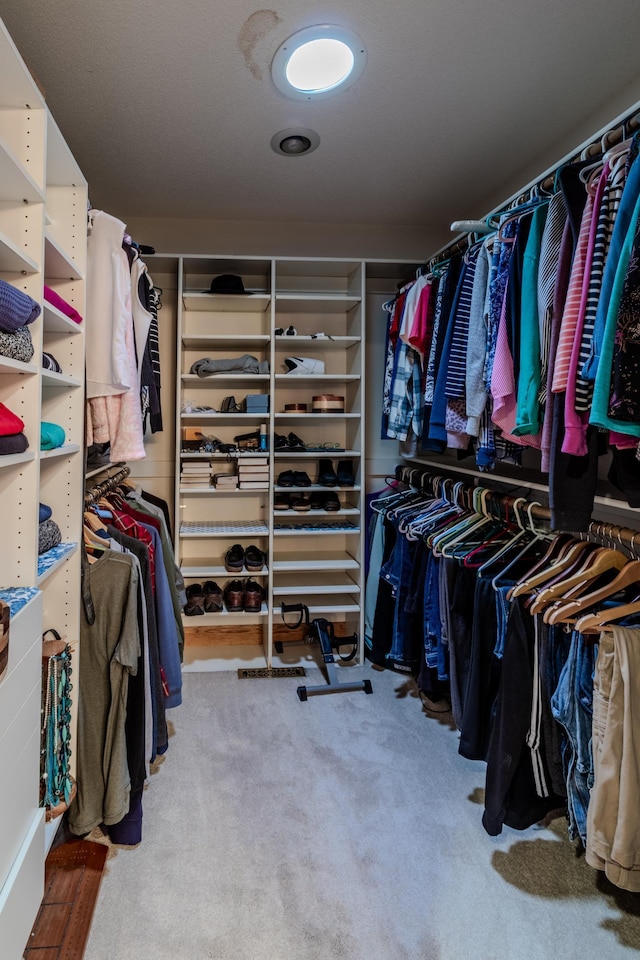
{"x":572,"y":707}
{"x":397,"y":572}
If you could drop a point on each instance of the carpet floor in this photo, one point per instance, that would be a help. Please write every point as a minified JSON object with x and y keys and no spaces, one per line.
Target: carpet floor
{"x":347,"y":827}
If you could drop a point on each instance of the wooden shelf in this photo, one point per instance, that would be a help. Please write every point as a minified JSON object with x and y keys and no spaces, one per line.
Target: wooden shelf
{"x":58,"y":265}
{"x":13,"y":259}
{"x":219,"y":303}
{"x":15,"y":179}
{"x":59,"y":380}
{"x":63,"y":451}
{"x":57,"y":322}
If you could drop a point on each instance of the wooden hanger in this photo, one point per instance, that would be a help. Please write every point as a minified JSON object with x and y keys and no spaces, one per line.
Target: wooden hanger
{"x":596,"y":622}
{"x":561,"y":565}
{"x":599,"y":562}
{"x":566,"y":612}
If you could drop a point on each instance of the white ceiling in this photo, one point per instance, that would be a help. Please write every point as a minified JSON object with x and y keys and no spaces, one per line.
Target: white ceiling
{"x":169,"y":106}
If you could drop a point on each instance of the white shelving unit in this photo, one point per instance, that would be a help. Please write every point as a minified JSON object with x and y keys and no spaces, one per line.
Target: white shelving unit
{"x":324,"y":300}
{"x":43,"y":202}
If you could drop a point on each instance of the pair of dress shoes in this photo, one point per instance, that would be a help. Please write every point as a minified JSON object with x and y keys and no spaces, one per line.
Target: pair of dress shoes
{"x":203,"y":598}
{"x":243,"y":596}
{"x":342,"y":476}
{"x":294,"y":478}
{"x":237,"y":557}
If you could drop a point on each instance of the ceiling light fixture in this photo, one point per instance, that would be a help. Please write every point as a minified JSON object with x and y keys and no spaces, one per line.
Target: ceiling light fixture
{"x":294,"y":142}
{"x":318,"y":61}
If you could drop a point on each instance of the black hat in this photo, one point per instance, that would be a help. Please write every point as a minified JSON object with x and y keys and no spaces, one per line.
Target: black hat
{"x":227,"y":283}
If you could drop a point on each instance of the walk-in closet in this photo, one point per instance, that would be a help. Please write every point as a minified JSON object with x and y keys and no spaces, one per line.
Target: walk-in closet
{"x":320,"y":476}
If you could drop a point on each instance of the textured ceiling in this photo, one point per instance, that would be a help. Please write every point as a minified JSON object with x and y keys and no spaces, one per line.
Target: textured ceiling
{"x":169,"y":106}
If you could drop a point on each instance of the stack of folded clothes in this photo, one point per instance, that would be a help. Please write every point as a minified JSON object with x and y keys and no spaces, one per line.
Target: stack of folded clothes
{"x":17,"y":310}
{"x":52,"y":435}
{"x":49,"y":535}
{"x":60,"y":304}
{"x":12,"y":438}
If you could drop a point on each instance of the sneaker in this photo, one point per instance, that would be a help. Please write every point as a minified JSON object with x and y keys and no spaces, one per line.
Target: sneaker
{"x":304,"y":366}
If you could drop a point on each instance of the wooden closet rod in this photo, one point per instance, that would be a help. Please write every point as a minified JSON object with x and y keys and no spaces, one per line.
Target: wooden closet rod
{"x":616,"y":131}
{"x":613,"y":534}
{"x":109,"y":484}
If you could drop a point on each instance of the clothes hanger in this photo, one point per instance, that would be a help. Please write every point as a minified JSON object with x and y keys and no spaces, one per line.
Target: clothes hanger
{"x":596,"y":622}
{"x":548,"y":570}
{"x":599,"y":562}
{"x":521,"y":532}
{"x":567,"y":612}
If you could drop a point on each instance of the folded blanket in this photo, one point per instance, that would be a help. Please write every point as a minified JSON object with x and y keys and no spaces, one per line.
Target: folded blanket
{"x":10,"y":424}
{"x":15,"y":443}
{"x":56,"y":301}
{"x":16,"y":308}
{"x":18,"y":345}
{"x":206,"y":367}
{"x":51,"y":436}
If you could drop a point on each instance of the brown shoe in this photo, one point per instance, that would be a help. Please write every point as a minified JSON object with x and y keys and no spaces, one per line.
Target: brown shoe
{"x":253,"y":596}
{"x":234,"y":596}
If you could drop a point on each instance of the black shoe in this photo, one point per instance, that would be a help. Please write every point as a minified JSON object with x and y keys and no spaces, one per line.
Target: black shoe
{"x":194,"y":606}
{"x":234,"y":596}
{"x":280,"y":442}
{"x":295,"y":443}
{"x":301,"y":479}
{"x":286,"y":479}
{"x":300,"y":504}
{"x":345,"y":473}
{"x":317,"y":500}
{"x":234,"y":558}
{"x":326,"y":474}
{"x":254,"y":558}
{"x":212,"y":597}
{"x":331,"y":502}
{"x":281,"y":501}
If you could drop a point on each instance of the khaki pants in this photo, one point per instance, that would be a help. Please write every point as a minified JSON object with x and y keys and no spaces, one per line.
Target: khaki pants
{"x":613,"y":819}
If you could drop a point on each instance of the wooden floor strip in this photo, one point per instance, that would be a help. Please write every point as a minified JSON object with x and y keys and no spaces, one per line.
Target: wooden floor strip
{"x":73,"y":872}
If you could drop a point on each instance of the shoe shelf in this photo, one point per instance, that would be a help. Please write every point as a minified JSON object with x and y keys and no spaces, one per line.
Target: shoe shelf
{"x":345,"y":511}
{"x":296,"y":530}
{"x":191,"y":531}
{"x":317,"y":488}
{"x":204,"y":568}
{"x":288,"y":379}
{"x":208,"y":619}
{"x":324,"y":343}
{"x":314,"y":303}
{"x":313,"y":584}
{"x":212,"y":491}
{"x":314,"y":454}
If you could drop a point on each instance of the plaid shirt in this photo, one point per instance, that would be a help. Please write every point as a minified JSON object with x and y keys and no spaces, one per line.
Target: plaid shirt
{"x":406,"y":408}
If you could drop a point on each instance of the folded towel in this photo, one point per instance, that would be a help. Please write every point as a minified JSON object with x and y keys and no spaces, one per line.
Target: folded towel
{"x":56,"y":301}
{"x":16,"y":308}
{"x":51,"y":436}
{"x":44,"y":513}
{"x":15,"y":443}
{"x":10,"y":424}
{"x":18,"y":345}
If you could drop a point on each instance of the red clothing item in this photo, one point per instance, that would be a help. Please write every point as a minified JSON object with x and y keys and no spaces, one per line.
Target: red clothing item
{"x":126,"y":524}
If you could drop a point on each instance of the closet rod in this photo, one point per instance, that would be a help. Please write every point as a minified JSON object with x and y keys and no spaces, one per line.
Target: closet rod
{"x":110,"y":484}
{"x":622,"y":536}
{"x":612,"y":133}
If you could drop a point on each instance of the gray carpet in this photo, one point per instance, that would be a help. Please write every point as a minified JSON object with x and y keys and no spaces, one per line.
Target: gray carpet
{"x":346,"y":827}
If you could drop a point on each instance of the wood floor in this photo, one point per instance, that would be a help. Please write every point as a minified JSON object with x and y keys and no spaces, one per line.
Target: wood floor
{"x":73,"y":871}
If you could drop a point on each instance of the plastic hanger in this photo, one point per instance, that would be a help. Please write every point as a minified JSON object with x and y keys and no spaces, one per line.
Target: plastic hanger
{"x":521,"y":533}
